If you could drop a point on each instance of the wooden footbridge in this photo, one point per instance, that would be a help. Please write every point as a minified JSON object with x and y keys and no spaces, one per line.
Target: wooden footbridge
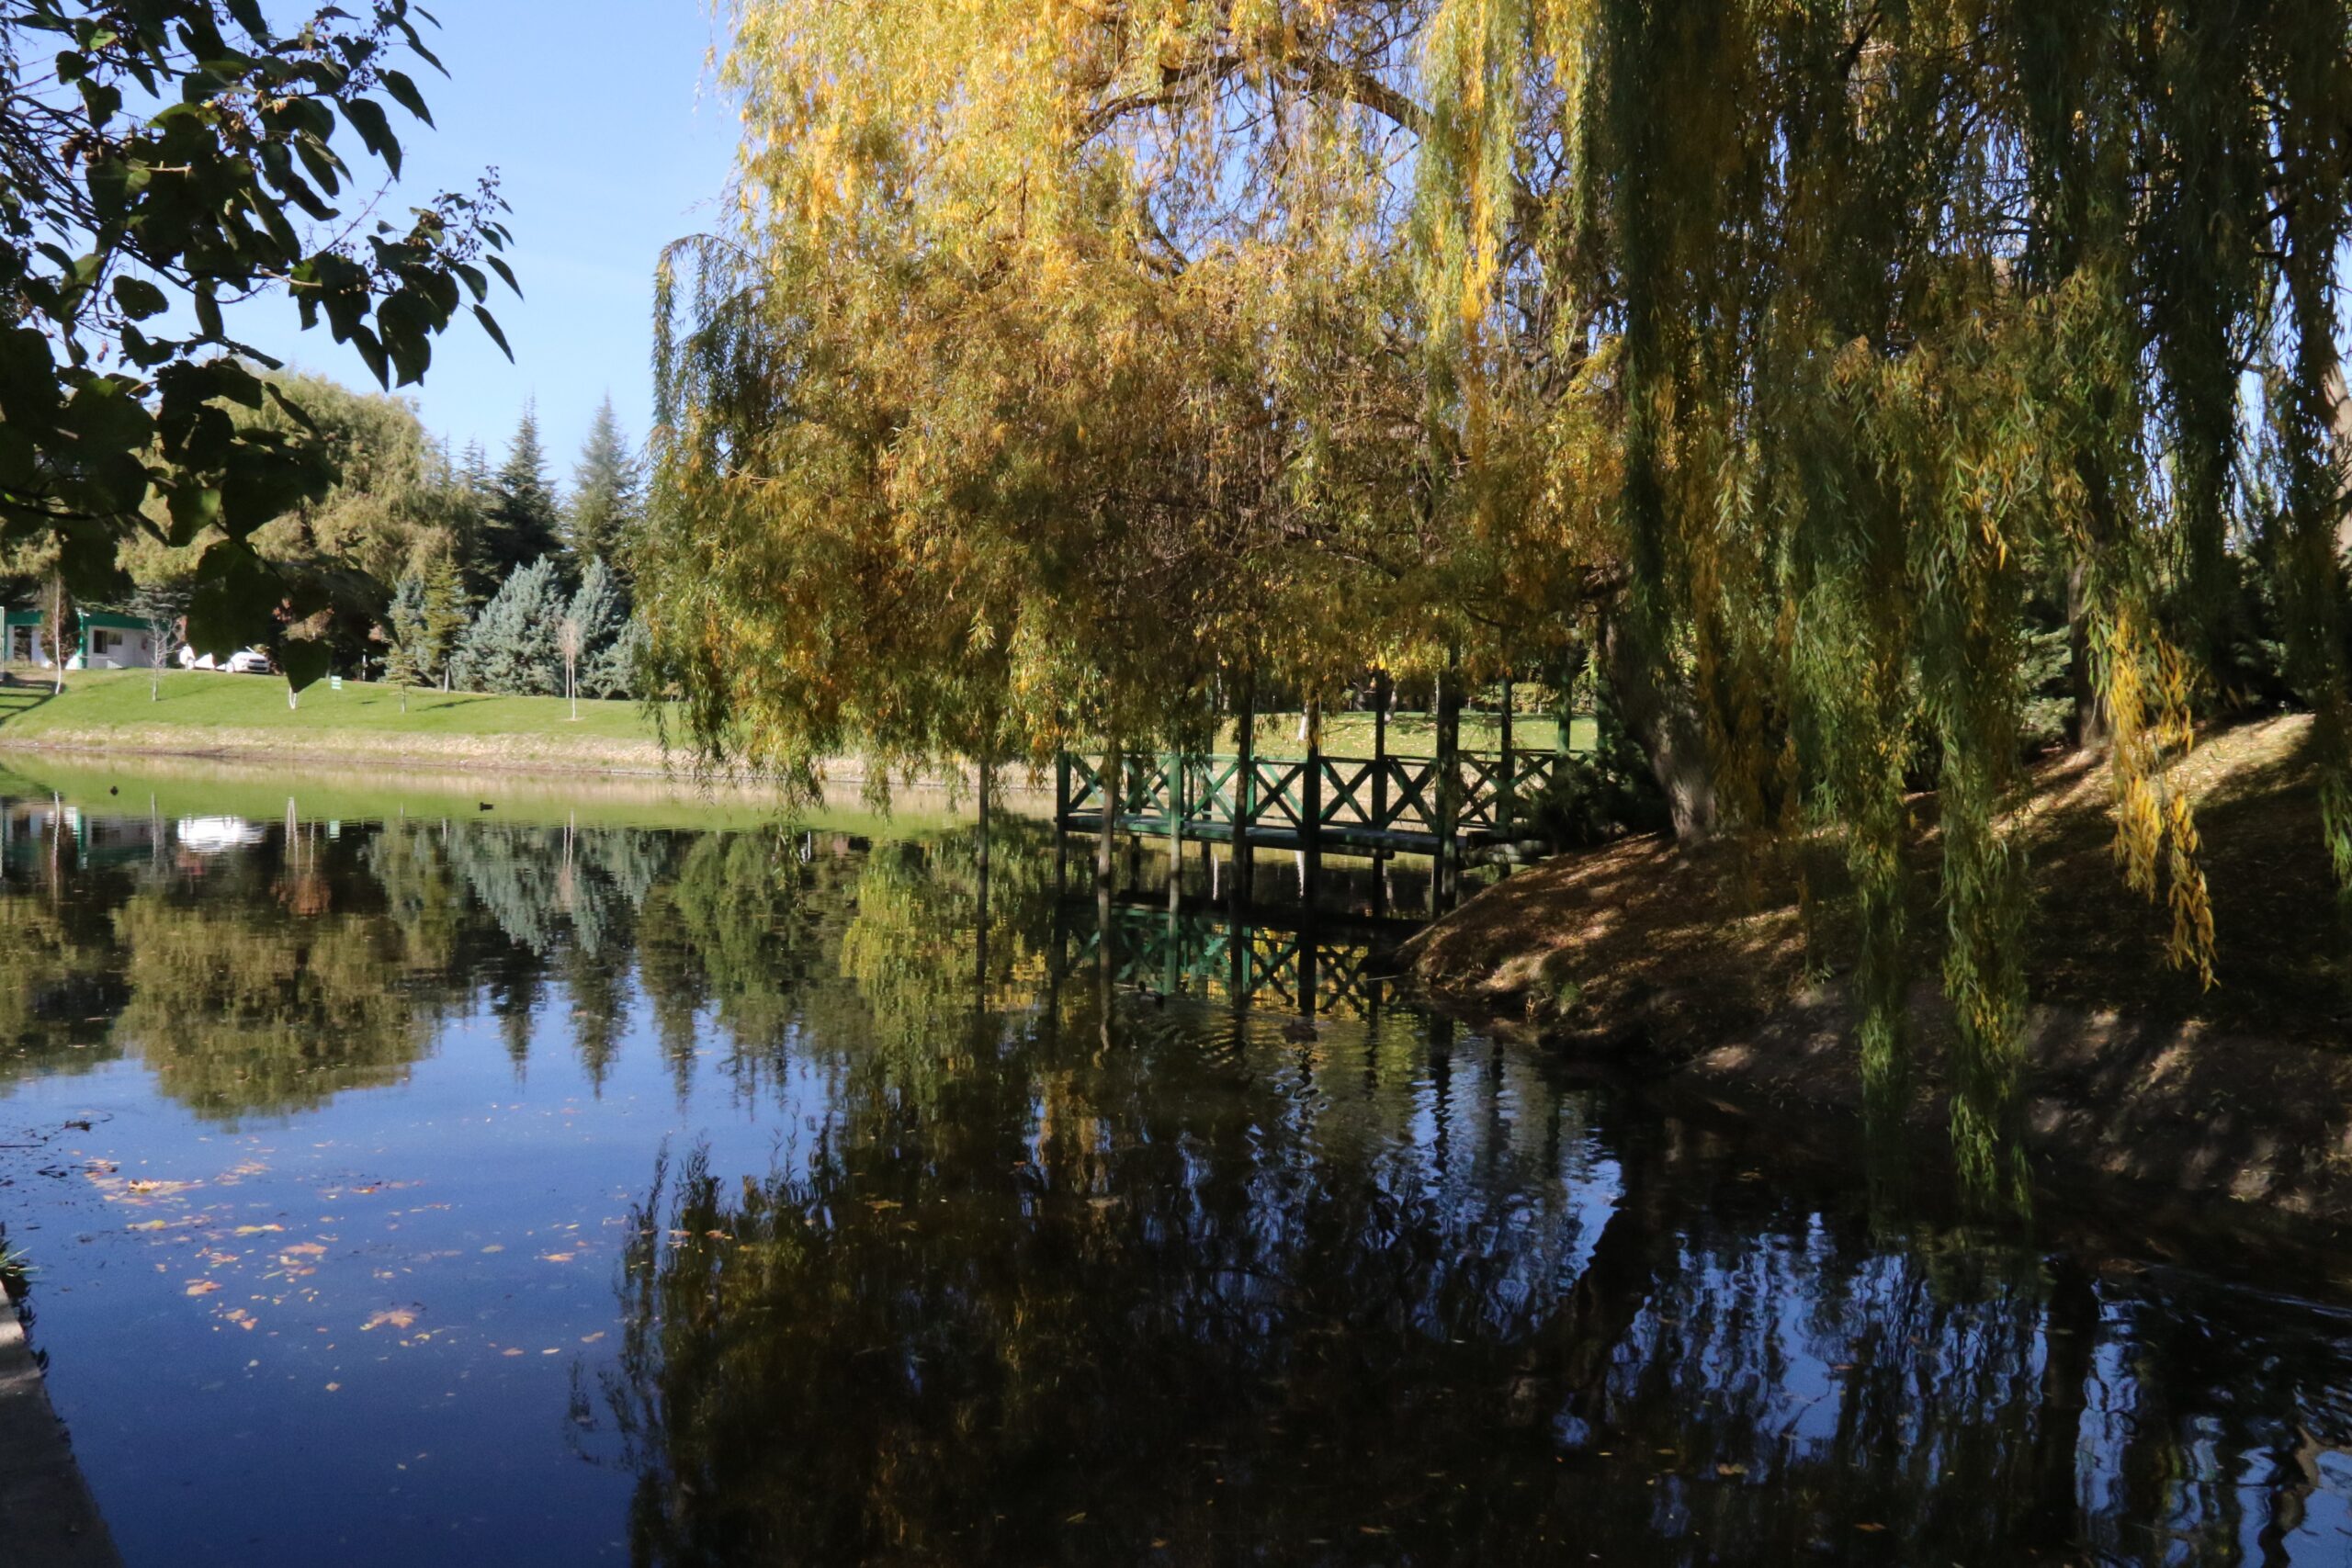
{"x":1447,"y":807}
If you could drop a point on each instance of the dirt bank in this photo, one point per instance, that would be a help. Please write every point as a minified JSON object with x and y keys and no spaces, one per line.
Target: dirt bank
{"x":507,"y":754}
{"x":1708,"y":976}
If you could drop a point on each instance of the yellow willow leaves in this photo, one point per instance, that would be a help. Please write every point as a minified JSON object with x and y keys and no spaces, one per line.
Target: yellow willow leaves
{"x":2147,"y":691}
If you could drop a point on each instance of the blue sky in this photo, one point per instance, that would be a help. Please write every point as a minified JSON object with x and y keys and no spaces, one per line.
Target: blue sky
{"x":610,"y":140}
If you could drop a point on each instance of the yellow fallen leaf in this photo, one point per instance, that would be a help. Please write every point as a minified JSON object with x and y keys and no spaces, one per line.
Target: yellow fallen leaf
{"x":333,"y":1386}
{"x":257,"y":1230}
{"x":399,"y":1318}
{"x":493,"y":1246}
{"x":302,"y":1249}
{"x":203,"y":1287}
{"x":510,"y":1352}
{"x":555,"y":1256}
{"x":591,"y":1338}
{"x":151,"y":1224}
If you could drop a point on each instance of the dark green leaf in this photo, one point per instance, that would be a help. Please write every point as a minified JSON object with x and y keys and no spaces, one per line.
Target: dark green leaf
{"x":490,"y":324}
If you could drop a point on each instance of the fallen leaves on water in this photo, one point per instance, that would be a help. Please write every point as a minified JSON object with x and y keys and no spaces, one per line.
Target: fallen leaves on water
{"x":256,"y":1230}
{"x":1731,"y":1469}
{"x":397,"y":1317}
{"x":556,"y":1256}
{"x":202,"y":1287}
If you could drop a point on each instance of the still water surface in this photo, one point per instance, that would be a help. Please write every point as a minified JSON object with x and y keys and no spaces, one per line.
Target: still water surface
{"x":450,"y":1190}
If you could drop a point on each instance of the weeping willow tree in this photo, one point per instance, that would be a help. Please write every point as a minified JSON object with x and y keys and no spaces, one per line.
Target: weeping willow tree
{"x":1912,"y":308}
{"x":1065,"y":375}
{"x":1067,"y":363}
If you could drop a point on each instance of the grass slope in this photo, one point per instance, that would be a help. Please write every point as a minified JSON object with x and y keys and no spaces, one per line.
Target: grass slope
{"x":113,"y":699}
{"x":201,"y":711}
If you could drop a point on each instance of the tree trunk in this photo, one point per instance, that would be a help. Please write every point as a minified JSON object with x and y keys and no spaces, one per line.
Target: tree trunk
{"x":1660,"y":713}
{"x":1113,"y":790}
{"x":57,"y":634}
{"x":2088,"y":727}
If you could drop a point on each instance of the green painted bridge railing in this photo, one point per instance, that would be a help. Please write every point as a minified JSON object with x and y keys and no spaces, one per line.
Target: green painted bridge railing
{"x":1415,"y":804}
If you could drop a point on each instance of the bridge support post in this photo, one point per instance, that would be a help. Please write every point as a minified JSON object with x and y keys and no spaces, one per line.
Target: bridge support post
{"x":1177,"y":804}
{"x":1506,"y":782}
{"x":1245,"y":795}
{"x":1382,"y":691}
{"x":1449,"y":788}
{"x":1310,"y":813}
{"x":1110,"y":787}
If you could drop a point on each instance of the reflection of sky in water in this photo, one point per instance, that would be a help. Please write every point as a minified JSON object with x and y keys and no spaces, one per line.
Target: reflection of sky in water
{"x":355,"y":1262}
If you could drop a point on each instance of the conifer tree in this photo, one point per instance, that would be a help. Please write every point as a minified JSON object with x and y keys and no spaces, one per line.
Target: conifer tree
{"x":406,"y":663}
{"x":445,"y":617}
{"x":607,"y":495}
{"x":614,"y":671}
{"x":523,"y":524}
{"x":473,"y":495}
{"x":512,"y":646}
{"x":600,"y":612}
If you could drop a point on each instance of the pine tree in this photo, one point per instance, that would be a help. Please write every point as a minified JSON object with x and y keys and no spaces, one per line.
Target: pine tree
{"x":471,"y":496}
{"x":614,"y":671}
{"x":444,"y":617}
{"x":405,"y":626}
{"x":523,"y":524}
{"x":600,"y":609}
{"x":512,"y":645}
{"x":607,"y":496}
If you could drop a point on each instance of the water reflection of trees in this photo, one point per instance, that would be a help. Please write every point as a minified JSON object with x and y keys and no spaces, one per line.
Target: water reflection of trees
{"x":1081,"y":1281}
{"x":1154,"y":1303}
{"x":264,"y":981}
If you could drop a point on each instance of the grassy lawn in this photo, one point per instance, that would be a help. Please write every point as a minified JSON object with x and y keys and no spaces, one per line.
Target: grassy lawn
{"x":201,"y":710}
{"x":99,"y":699}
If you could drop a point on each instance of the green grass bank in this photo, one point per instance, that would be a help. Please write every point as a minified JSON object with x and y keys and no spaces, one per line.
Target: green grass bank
{"x":206,"y":713}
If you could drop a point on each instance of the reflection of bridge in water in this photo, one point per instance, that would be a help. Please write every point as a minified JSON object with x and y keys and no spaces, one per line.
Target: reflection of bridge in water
{"x":1267,"y":959}
{"x":1328,"y":949}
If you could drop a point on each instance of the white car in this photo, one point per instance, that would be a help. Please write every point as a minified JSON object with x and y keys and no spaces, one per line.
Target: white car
{"x":244,"y":661}
{"x":219,"y":835}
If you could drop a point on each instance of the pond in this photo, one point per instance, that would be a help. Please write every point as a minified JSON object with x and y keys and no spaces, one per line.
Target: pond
{"x":524,"y":1186}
